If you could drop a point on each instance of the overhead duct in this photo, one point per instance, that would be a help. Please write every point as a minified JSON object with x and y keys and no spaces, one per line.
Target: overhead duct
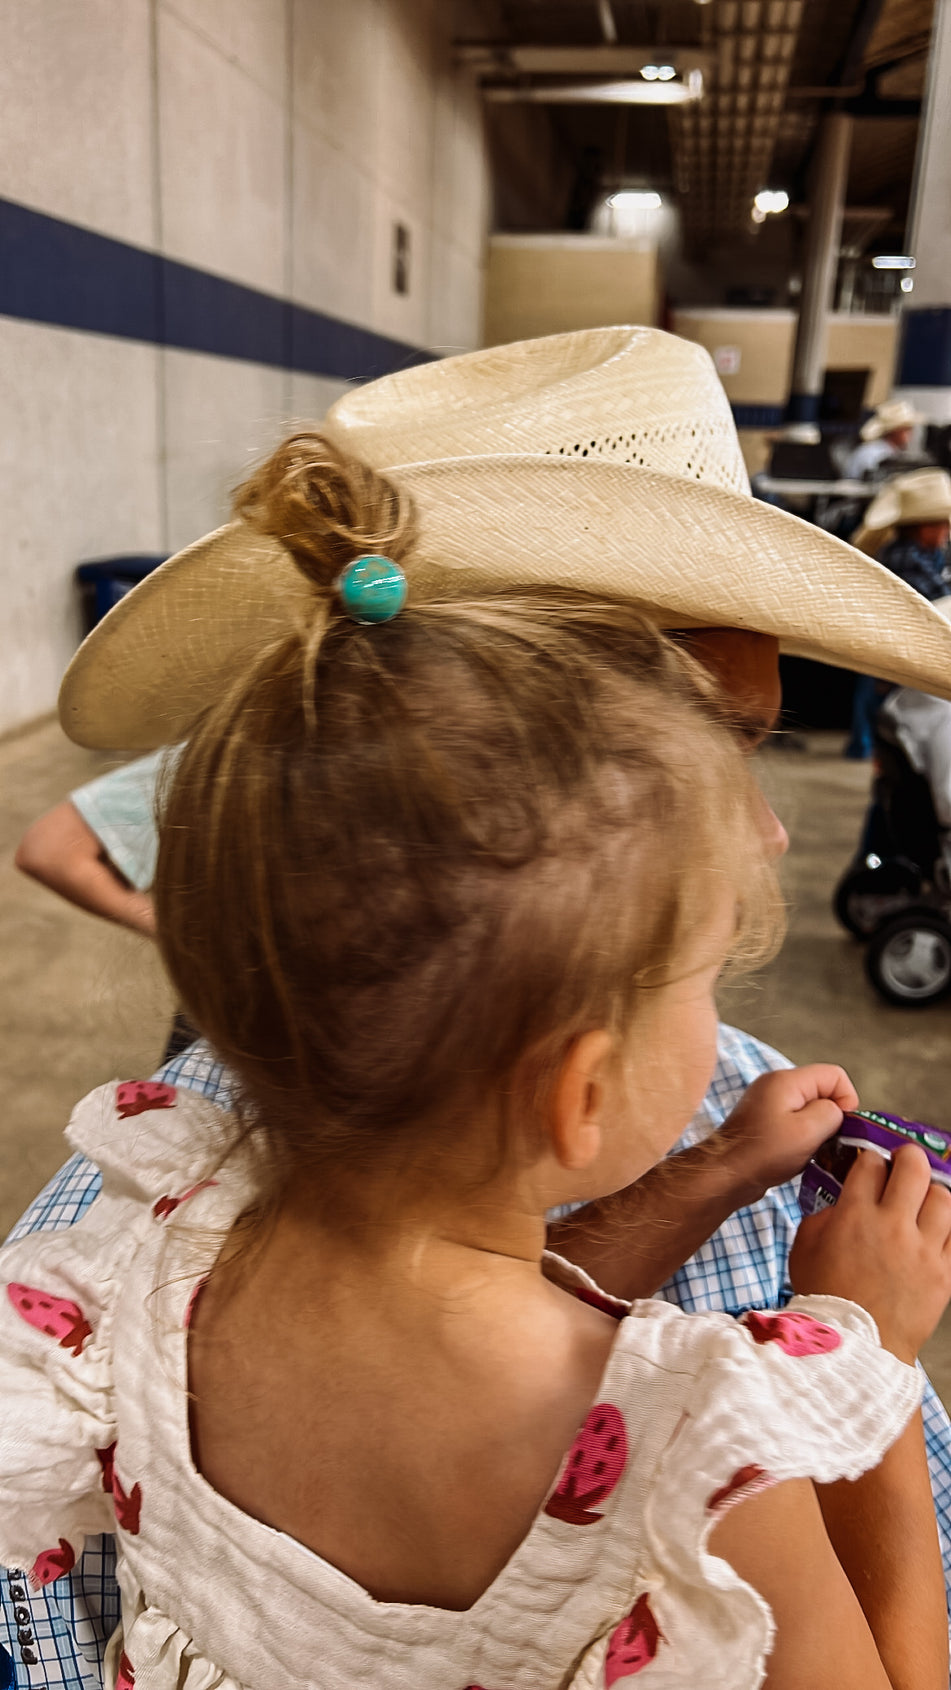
{"x":723,"y":146}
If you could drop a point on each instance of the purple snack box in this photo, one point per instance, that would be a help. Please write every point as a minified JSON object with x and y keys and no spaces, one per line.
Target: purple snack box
{"x":868,"y":1129}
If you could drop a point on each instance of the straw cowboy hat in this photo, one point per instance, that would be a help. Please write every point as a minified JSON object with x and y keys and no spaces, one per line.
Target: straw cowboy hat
{"x":895,"y":413}
{"x":605,"y":459}
{"x":923,"y":495}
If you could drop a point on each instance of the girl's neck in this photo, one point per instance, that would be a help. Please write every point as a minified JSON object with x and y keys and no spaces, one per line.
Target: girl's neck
{"x":382,"y":1239}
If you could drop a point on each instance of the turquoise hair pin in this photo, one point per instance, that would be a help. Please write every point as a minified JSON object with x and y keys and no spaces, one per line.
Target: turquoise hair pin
{"x":372,"y":589}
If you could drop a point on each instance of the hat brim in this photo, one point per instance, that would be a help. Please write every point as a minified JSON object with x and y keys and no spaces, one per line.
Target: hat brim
{"x":689,"y":554}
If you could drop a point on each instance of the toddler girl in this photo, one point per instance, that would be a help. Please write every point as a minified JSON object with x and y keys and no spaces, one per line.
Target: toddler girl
{"x":449,"y":893}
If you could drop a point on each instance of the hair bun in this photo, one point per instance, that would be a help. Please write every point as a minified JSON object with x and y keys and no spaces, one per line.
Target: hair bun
{"x":326,"y":507}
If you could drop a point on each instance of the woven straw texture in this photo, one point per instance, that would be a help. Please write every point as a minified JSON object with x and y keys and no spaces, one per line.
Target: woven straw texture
{"x":606,"y":460}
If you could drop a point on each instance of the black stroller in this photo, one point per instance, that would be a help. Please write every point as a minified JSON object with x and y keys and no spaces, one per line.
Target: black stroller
{"x":895,"y":893}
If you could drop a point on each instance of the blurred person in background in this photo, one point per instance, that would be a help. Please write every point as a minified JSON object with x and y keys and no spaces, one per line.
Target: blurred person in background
{"x":886,"y":435}
{"x":98,"y":848}
{"x":906,"y":528}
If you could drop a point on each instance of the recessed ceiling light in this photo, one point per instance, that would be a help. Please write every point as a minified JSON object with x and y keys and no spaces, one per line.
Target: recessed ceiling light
{"x":771,"y":200}
{"x":635,"y":199}
{"x":666,"y":73}
{"x":906,"y":284}
{"x":650,"y":73}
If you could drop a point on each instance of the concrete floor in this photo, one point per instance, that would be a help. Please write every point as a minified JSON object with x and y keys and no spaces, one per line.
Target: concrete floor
{"x":82,"y":1001}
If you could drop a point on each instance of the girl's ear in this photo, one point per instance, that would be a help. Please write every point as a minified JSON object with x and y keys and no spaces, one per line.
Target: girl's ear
{"x":578,"y":1101}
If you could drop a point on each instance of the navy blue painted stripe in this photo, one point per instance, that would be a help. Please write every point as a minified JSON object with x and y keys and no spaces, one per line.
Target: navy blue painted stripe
{"x":925,"y":359}
{"x":757,"y":416}
{"x":56,"y":272}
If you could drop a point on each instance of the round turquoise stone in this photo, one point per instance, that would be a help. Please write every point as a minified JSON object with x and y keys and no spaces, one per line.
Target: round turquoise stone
{"x":372,"y":589}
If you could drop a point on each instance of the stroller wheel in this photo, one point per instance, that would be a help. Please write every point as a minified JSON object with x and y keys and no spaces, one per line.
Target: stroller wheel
{"x":873,"y":892}
{"x":909,"y":959}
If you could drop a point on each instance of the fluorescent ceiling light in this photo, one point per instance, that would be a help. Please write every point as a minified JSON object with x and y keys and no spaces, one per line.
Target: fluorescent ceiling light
{"x":638,"y":93}
{"x":891,"y":261}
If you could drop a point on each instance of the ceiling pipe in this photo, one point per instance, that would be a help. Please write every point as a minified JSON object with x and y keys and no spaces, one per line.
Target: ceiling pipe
{"x":607,"y":21}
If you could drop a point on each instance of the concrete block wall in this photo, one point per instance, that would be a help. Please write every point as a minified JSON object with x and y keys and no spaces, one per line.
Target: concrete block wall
{"x":263,"y":150}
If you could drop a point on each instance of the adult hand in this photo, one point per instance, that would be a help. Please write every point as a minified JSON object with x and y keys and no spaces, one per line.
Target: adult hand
{"x":782,"y":1119}
{"x":885,"y":1245}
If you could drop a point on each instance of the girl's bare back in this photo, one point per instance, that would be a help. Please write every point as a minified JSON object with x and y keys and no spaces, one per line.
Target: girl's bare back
{"x":411,"y":1452}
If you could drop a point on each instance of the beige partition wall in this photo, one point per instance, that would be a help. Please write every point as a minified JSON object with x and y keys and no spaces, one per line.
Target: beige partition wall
{"x":546,"y":284}
{"x":753,"y":353}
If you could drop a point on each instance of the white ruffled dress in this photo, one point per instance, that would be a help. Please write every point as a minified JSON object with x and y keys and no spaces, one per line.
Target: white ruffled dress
{"x":612,"y":1582}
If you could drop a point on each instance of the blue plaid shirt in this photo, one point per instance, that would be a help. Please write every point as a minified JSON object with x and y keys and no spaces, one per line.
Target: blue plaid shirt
{"x":55,"y":1639}
{"x":926,"y":568}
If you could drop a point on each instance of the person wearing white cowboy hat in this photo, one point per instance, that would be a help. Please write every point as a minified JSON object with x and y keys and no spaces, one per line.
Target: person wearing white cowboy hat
{"x":886,"y":434}
{"x":906,"y":527}
{"x":605,"y":460}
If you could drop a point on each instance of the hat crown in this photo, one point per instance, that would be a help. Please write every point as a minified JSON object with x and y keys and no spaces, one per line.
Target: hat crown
{"x":891,"y":414}
{"x":924,"y":495}
{"x":631,"y":395}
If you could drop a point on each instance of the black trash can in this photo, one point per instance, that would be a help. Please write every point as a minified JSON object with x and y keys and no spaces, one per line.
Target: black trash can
{"x":105,"y":580}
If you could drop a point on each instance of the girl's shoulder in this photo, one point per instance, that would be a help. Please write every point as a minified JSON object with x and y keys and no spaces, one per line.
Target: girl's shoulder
{"x":161,"y":1152}
{"x":695,"y":1413}
{"x":145,"y":1135}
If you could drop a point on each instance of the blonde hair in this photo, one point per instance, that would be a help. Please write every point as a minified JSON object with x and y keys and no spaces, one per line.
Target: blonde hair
{"x":402,"y":867}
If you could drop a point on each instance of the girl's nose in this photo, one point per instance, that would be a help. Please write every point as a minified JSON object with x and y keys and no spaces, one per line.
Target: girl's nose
{"x":775,"y":837}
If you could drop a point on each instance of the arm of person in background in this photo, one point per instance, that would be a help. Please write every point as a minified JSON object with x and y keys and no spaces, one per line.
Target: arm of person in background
{"x":633,"y":1241}
{"x":99,"y":847}
{"x":61,"y":851}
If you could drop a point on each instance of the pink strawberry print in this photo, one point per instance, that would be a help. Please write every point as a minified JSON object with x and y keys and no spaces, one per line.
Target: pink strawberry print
{"x":746,"y":1481}
{"x":56,"y":1316}
{"x":52,"y":1564}
{"x":633,"y":1644}
{"x":134,"y":1097}
{"x":107,"y":1463}
{"x":596,"y":1460}
{"x":168,"y":1205}
{"x":128,"y":1507}
{"x":125,"y":1677}
{"x":197,"y":1290}
{"x":796,"y":1333}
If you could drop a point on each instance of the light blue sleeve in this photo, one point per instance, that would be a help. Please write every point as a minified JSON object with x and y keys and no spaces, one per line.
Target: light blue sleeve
{"x":120,"y":807}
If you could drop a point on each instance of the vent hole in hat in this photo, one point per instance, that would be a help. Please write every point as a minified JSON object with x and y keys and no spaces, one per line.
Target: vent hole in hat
{"x":699,"y":451}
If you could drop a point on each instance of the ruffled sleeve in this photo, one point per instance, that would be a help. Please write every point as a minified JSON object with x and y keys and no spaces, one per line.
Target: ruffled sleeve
{"x":803,"y":1392}
{"x":58,"y":1292}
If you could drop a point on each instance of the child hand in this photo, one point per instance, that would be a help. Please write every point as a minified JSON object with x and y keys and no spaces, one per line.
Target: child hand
{"x":885,"y":1245}
{"x":783,"y":1118}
